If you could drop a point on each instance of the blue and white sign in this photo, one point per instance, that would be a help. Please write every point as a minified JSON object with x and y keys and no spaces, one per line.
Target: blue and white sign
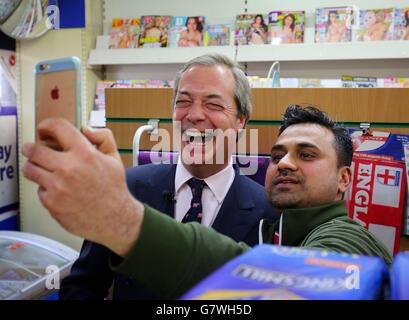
{"x":8,"y":169}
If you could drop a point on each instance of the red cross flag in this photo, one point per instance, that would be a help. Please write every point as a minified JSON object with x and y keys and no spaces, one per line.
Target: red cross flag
{"x":376,"y":198}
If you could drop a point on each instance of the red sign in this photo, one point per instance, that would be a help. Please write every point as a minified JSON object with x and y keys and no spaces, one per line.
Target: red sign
{"x":376,"y":198}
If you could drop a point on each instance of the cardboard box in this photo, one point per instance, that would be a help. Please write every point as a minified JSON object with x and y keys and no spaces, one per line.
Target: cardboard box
{"x":269,"y":272}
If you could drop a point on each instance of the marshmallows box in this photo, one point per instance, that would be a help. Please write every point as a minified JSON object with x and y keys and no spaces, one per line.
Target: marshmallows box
{"x":378,"y":190}
{"x":269,"y":272}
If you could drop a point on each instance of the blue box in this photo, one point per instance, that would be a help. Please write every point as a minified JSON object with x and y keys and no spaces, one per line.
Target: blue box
{"x":380,"y":144}
{"x":400,"y":277}
{"x":269,"y":272}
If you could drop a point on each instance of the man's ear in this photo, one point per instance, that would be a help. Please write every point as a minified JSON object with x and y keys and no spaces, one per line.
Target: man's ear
{"x":344,"y":178}
{"x":242,"y":121}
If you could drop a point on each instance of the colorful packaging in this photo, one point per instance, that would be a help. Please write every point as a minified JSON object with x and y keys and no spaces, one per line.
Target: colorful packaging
{"x":269,"y":272}
{"x":376,"y":198}
{"x":379,"y":144}
{"x":378,"y":189}
{"x":400,"y":277}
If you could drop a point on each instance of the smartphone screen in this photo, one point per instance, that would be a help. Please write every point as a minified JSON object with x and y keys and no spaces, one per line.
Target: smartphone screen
{"x":56,"y":95}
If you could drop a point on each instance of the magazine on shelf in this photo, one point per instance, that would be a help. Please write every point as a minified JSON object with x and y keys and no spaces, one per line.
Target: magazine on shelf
{"x":401,"y":23}
{"x":100,"y":93}
{"x":309,"y":83}
{"x":217,"y":35}
{"x":393,"y":82}
{"x":154,"y":31}
{"x":251,"y":29}
{"x":359,"y":82}
{"x":124,"y":33}
{"x":334,"y":24}
{"x":259,"y":82}
{"x":186,"y":31}
{"x":375,"y":25}
{"x":286,"y":27}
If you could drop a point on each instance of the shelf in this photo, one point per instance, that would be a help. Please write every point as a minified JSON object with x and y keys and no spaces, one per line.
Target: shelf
{"x":325,"y":51}
{"x":293,"y":52}
{"x":104,"y":56}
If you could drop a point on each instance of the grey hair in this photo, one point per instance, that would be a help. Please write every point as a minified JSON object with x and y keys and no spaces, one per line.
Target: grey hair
{"x":242,"y":91}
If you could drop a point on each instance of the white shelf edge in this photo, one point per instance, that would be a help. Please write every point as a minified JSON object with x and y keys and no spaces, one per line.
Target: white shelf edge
{"x":104,"y":56}
{"x":292,"y":52}
{"x":325,"y":51}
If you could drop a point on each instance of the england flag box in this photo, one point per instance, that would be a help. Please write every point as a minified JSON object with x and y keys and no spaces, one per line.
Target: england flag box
{"x":400,"y":277}
{"x":376,"y":198}
{"x":378,"y":189}
{"x":269,"y":272}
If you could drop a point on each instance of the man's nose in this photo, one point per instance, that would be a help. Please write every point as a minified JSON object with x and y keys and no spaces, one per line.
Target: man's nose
{"x":196,"y":112}
{"x":288,"y":162}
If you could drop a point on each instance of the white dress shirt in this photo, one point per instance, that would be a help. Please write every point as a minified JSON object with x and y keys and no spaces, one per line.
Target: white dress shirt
{"x":213,"y":194}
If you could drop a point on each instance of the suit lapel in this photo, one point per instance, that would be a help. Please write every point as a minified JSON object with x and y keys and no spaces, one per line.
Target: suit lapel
{"x":235,"y":217}
{"x":161,"y":188}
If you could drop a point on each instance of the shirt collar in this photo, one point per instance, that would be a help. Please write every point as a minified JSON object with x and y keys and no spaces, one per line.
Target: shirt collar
{"x":298,"y":223}
{"x":216,"y":183}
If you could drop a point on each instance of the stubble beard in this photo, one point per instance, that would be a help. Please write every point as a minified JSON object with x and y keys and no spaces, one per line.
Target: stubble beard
{"x":284,"y":200}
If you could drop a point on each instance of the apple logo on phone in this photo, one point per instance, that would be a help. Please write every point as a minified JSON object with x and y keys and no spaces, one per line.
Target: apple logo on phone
{"x":55,"y":93}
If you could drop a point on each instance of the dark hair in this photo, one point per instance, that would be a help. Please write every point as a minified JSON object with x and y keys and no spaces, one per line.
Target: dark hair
{"x":292,"y":23}
{"x":342,"y":140}
{"x":263,"y":25}
{"x":407,"y":18}
{"x":329,"y":13}
{"x":199,"y":26}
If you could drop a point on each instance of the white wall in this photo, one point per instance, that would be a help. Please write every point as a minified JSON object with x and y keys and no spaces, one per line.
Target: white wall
{"x":53,"y":45}
{"x":34,"y":218}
